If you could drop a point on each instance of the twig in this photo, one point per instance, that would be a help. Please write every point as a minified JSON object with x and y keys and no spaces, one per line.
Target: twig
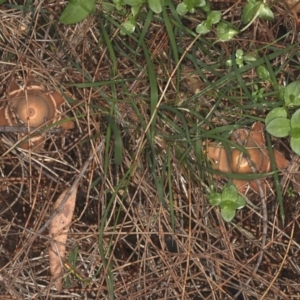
{"x":293,"y":166}
{"x":284,"y":261}
{"x":25,"y":129}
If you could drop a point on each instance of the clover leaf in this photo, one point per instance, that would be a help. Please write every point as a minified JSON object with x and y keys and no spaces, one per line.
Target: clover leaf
{"x":279,"y":125}
{"x":249,"y":11}
{"x":204,"y":27}
{"x":214,"y":16}
{"x":295,"y":132}
{"x":228,"y":210}
{"x":156,"y":5}
{"x":277,"y":122}
{"x":256,"y":8}
{"x":292,"y":94}
{"x":226,"y":31}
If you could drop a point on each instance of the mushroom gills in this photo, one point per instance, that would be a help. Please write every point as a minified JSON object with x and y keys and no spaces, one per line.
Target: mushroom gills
{"x":34,"y":110}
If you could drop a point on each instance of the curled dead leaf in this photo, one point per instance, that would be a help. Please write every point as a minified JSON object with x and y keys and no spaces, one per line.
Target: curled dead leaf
{"x":58,"y":231}
{"x":235,"y":161}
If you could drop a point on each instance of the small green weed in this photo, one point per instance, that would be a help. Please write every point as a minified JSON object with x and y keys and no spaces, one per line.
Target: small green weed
{"x":78,"y":10}
{"x":229,"y":201}
{"x":225,"y":31}
{"x":279,"y":124}
{"x":291,"y":192}
{"x":241,"y":58}
{"x":258,"y":93}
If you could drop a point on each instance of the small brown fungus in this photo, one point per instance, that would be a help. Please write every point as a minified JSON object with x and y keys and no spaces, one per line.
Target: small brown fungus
{"x":34,"y":111}
{"x":294,"y":7}
{"x":33,"y":107}
{"x":235,"y":161}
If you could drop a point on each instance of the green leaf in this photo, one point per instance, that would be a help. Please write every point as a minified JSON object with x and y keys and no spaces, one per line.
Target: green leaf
{"x":266,"y":13}
{"x":134,"y":11}
{"x":240,"y":62}
{"x":228,"y":209}
{"x":295,"y":120}
{"x":200,"y":3}
{"x":295,"y":145}
{"x":295,"y":132}
{"x":119,"y":7}
{"x":263,"y":73}
{"x":118,"y":145}
{"x":76,"y":11}
{"x":129,"y":26}
{"x":292,"y":94}
{"x":108,"y":7}
{"x":206,"y":7}
{"x":2,"y":1}
{"x":181,"y":9}
{"x":119,"y":4}
{"x":214,"y":17}
{"x":279,"y":127}
{"x":190,"y":4}
{"x":239,"y":53}
{"x":250,"y":57}
{"x":229,"y":63}
{"x":278,"y":112}
{"x":229,"y":193}
{"x":240,"y":202}
{"x":226,"y":32}
{"x":227,"y":214}
{"x":155,"y":5}
{"x":215,"y":198}
{"x":249,"y":11}
{"x":134,"y":2}
{"x":203,"y":28}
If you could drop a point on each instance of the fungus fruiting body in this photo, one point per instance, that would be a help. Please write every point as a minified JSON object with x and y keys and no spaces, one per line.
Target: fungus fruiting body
{"x":235,"y":161}
{"x":32,"y":107}
{"x":294,"y":6}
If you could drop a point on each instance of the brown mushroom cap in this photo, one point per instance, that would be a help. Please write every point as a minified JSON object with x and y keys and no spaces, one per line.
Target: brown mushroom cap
{"x":35,"y":110}
{"x":3,"y":119}
{"x":241,"y":165}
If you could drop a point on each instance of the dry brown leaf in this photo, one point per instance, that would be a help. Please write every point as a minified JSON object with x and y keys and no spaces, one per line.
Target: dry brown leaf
{"x":254,"y":143}
{"x":58,"y":231}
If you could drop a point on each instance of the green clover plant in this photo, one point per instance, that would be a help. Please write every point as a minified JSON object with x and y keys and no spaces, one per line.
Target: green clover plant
{"x":257,"y":93}
{"x":228,"y":201}
{"x":213,"y":17}
{"x":190,"y":6}
{"x":77,"y":10}
{"x":242,"y":58}
{"x":279,"y":124}
{"x":225,"y":31}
